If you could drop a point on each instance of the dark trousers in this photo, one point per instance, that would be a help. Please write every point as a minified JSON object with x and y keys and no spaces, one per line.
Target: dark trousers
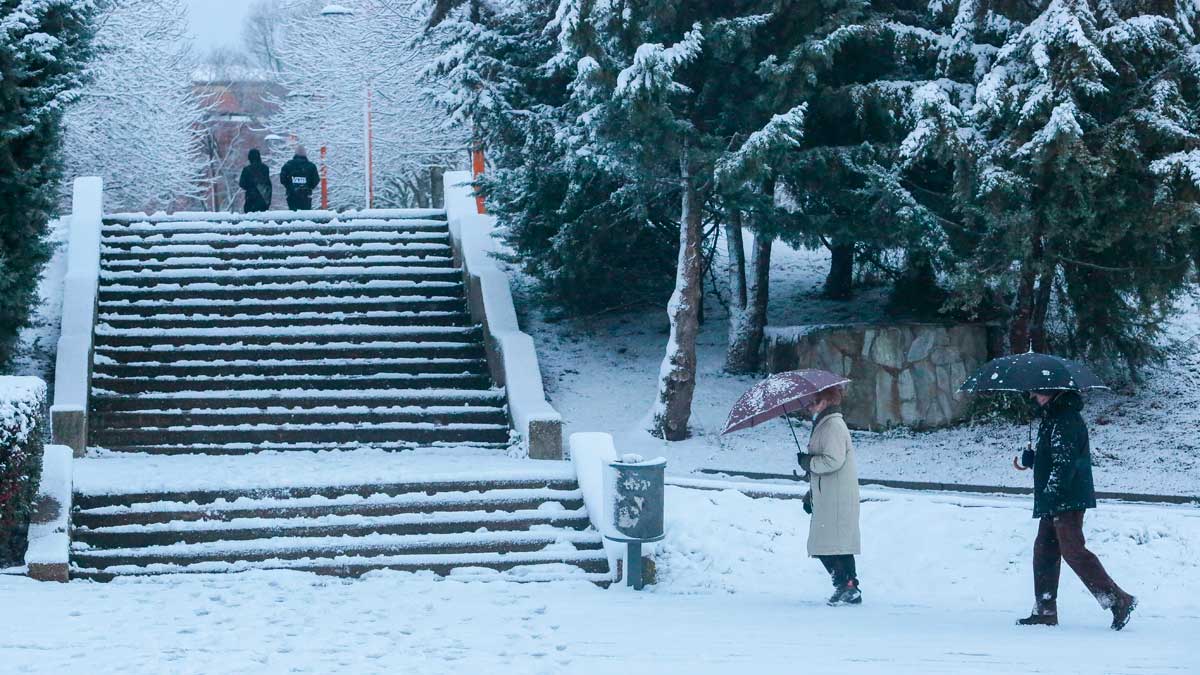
{"x":1060,"y":538}
{"x":299,"y":202}
{"x":840,"y":567}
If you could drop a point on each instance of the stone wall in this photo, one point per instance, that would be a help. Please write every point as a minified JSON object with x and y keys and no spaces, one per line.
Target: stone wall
{"x":901,"y":375}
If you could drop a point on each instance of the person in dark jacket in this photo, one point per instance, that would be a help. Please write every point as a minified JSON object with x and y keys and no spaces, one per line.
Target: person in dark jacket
{"x":300,"y":179}
{"x":1062,"y":492}
{"x":256,"y":181}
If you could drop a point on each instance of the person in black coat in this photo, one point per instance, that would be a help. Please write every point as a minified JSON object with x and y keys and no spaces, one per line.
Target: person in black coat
{"x":1062,"y":492}
{"x":300,"y":179}
{"x":256,"y":181}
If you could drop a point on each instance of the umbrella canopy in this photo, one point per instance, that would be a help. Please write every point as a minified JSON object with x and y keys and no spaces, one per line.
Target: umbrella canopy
{"x":779,"y":395}
{"x":1030,"y":372}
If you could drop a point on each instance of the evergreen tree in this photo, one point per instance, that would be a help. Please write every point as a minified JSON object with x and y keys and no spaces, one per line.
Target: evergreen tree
{"x":44,"y":46}
{"x":1075,"y":177}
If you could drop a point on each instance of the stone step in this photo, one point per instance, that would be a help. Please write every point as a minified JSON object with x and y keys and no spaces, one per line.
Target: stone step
{"x":437,"y":494}
{"x":269,"y":368}
{"x":251,"y":252}
{"x":289,"y":548}
{"x":207,"y":219}
{"x":313,"y":351}
{"x":202,"y":530}
{"x":398,"y":240}
{"x":297,"y":398}
{"x":412,"y":432}
{"x":137,"y":385}
{"x":188,"y":277}
{"x":277,"y":307}
{"x":137,"y":419}
{"x":151,"y":338}
{"x":201,"y":321}
{"x":274,"y":227}
{"x":97,"y":512}
{"x":308,"y":447}
{"x":289,"y":291}
{"x":592,"y":566}
{"x":290,"y":262}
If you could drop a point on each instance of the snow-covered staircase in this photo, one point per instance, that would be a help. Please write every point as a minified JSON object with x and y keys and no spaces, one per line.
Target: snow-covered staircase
{"x":530,"y":529}
{"x":305,"y":334}
{"x":220,"y":342}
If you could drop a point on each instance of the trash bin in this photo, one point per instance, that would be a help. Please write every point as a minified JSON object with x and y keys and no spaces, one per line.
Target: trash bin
{"x":635,"y":490}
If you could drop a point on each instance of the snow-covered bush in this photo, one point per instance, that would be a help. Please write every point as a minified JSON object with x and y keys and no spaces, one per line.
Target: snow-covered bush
{"x":44,"y":46}
{"x":22,"y":418}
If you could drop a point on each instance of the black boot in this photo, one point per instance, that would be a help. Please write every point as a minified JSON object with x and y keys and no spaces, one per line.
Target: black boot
{"x":1121,"y":609}
{"x":847,"y":593}
{"x":1045,"y":614}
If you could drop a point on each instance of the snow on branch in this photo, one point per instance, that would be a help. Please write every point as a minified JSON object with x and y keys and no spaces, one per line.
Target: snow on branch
{"x":653,"y":68}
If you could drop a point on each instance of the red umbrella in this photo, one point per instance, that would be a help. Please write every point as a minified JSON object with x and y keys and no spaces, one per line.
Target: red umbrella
{"x":779,"y":395}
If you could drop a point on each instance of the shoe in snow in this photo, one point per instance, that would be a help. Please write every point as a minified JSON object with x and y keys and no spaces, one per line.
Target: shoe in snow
{"x":1039,"y":619}
{"x":1121,"y":610}
{"x":847,"y":594}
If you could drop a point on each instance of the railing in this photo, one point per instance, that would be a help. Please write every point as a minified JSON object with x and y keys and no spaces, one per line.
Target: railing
{"x":512,"y":358}
{"x":73,"y":367}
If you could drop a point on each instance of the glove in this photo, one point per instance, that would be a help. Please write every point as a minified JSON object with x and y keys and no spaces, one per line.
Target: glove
{"x":805,"y":460}
{"x":806,"y":502}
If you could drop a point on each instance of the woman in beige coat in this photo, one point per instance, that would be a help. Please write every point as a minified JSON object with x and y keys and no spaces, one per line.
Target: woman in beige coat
{"x":833,"y":535}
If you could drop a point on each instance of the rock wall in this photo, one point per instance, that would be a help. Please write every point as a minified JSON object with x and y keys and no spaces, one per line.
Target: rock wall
{"x":902,"y":374}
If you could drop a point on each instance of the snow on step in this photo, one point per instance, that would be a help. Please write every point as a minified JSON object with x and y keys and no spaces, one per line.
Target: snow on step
{"x":334,"y":513}
{"x":307,"y":292}
{"x":315,"y":216}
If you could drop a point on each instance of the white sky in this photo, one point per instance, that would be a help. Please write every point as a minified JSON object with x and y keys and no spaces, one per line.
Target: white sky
{"x":217,"y":23}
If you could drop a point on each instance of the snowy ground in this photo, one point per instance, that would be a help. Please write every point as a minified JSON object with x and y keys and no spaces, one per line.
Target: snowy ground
{"x":943,"y":578}
{"x":601,"y":374}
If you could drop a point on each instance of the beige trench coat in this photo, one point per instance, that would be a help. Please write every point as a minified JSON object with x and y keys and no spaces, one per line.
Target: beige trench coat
{"x":834,"y":483}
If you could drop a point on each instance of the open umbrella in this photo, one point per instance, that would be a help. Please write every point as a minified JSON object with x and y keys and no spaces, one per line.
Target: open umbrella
{"x":779,"y":395}
{"x":1031,"y":372}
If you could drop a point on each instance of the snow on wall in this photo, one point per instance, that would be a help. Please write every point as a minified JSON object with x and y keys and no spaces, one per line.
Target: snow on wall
{"x":73,"y":365}
{"x":591,"y":453}
{"x":49,"y":531}
{"x":471,"y":232}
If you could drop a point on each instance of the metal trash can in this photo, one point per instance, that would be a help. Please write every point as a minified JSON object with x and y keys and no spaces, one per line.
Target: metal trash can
{"x":635,"y":490}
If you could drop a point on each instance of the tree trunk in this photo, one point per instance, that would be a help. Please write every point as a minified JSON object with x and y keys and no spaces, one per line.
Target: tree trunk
{"x":1041,"y":307}
{"x":677,"y":376}
{"x":737,"y":260}
{"x":839,"y":285}
{"x":748,"y":321}
{"x":1026,"y":310}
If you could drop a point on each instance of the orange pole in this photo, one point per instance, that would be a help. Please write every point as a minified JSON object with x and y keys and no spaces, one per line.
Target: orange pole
{"x":477,"y":166}
{"x":324,"y":182}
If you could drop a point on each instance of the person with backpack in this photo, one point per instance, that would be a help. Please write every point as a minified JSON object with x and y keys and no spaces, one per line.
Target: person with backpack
{"x":300,"y":179}
{"x":256,"y":181}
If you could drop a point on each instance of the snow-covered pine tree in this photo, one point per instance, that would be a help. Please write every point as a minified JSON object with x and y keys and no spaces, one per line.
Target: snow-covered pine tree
{"x":858,"y":66}
{"x":1076,"y":171}
{"x":135,"y":123}
{"x":44,"y":46}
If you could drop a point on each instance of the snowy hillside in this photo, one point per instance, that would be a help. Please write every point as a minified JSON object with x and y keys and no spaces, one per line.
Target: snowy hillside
{"x":601,"y":374}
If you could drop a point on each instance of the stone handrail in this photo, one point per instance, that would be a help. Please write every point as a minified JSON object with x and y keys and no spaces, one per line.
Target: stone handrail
{"x":73,"y":367}
{"x":512,"y":358}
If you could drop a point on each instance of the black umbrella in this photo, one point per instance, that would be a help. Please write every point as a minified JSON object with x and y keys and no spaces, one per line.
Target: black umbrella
{"x":1032,"y":372}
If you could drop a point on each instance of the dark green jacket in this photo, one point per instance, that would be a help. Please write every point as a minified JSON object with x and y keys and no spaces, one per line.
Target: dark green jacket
{"x":1062,"y":468}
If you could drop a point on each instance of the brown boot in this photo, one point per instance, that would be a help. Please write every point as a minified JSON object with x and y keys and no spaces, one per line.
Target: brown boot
{"x":1122,"y":607}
